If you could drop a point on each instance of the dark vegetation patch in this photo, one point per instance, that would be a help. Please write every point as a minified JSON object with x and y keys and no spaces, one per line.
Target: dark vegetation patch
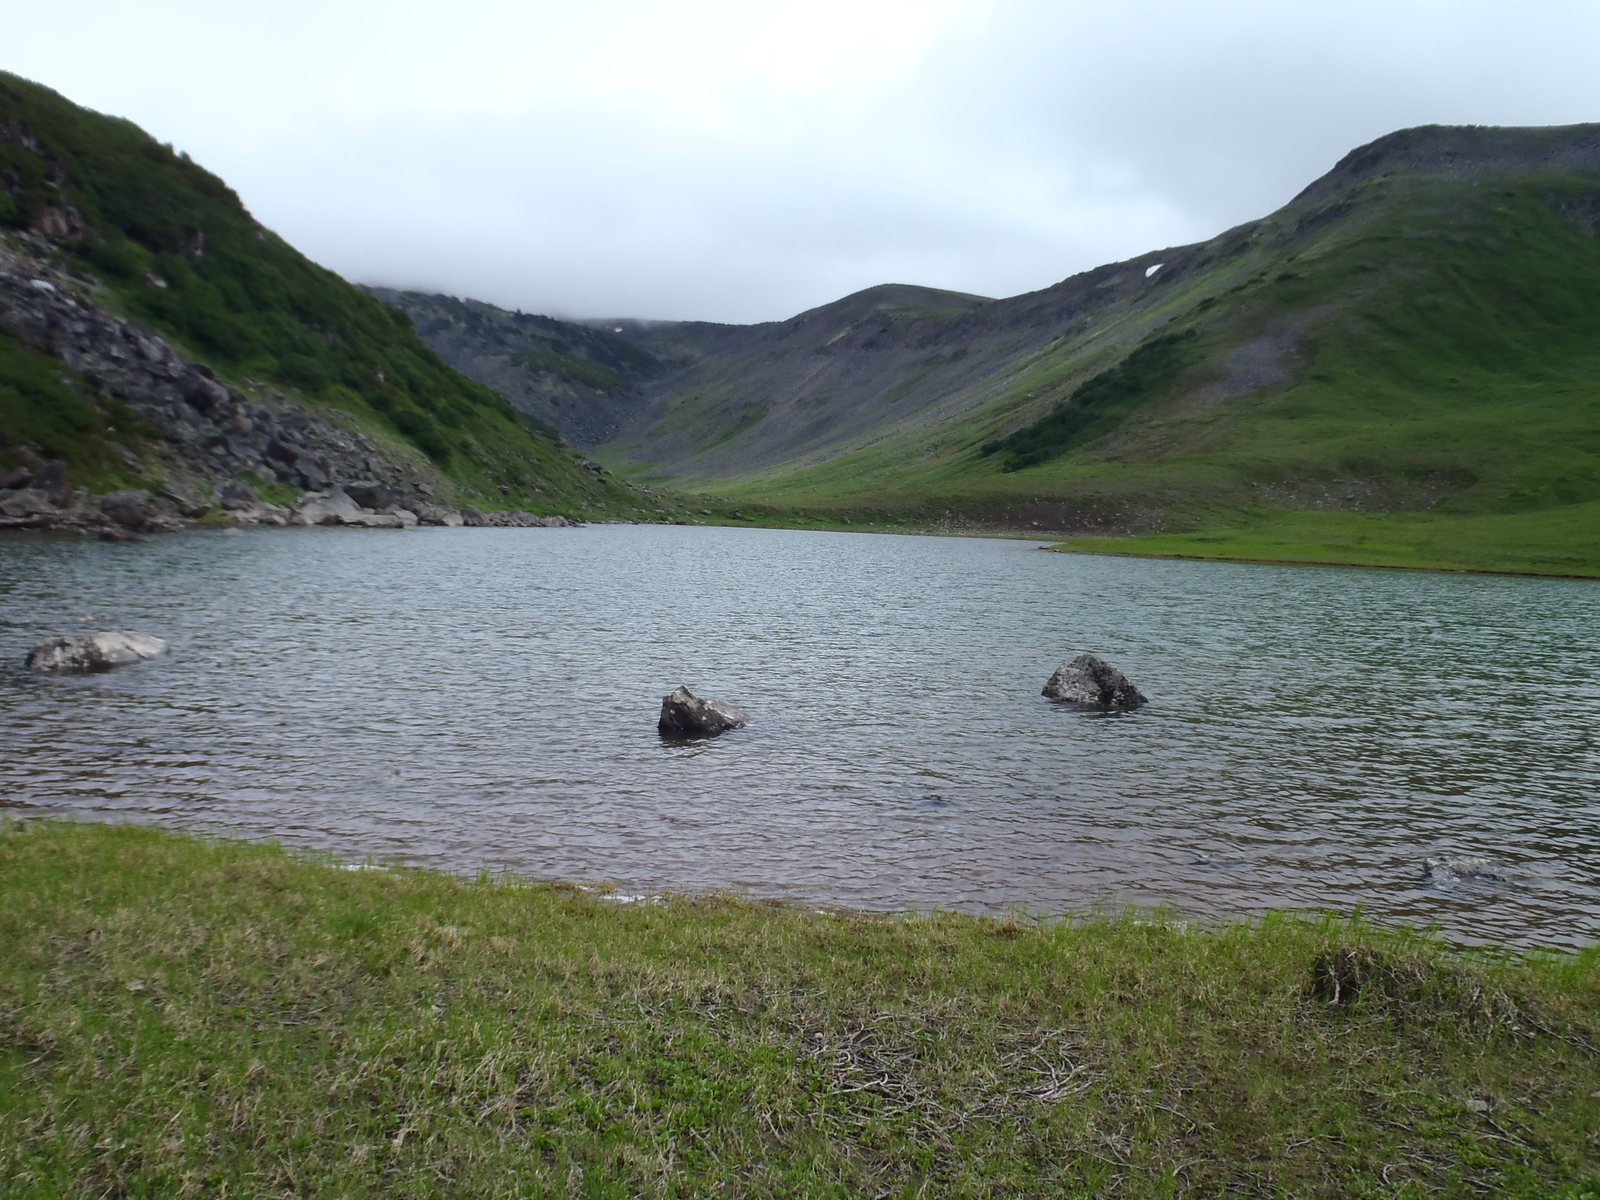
{"x":1098,"y":405}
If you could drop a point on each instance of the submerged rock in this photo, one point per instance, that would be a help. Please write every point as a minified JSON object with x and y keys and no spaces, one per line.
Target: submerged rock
{"x":683,"y":714}
{"x":93,"y":651}
{"x":1447,"y":868}
{"x":1092,"y":682}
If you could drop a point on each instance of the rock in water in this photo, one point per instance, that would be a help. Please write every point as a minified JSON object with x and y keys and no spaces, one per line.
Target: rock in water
{"x":1093,"y":683}
{"x":684,"y":714}
{"x":93,"y":651}
{"x":1446,"y":869}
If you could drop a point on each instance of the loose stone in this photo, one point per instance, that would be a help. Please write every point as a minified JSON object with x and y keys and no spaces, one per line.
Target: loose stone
{"x":683,"y":714}
{"x":1091,"y":682}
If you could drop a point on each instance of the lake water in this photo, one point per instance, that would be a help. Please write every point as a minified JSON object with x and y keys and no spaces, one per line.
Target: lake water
{"x":486,"y":698}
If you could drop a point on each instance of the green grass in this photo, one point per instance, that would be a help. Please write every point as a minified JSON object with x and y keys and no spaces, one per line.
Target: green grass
{"x":42,"y":404}
{"x":1558,"y":541}
{"x":180,"y":1017}
{"x":1442,"y":357}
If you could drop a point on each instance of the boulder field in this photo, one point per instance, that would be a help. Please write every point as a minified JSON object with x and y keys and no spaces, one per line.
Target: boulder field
{"x":203,"y":434}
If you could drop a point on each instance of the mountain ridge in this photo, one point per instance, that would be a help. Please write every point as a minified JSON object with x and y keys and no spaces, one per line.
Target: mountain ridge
{"x":1410,"y":333}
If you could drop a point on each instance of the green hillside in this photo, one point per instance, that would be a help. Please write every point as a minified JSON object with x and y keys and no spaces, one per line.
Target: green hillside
{"x":1407,"y":357}
{"x":173,"y":246}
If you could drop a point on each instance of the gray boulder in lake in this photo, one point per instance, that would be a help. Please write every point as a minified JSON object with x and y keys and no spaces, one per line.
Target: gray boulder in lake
{"x":93,"y":651}
{"x":684,"y":714}
{"x":1092,"y":682}
{"x":1448,"y":868}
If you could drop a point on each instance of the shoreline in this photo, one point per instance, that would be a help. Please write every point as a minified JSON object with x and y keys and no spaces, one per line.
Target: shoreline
{"x":1309,"y":562}
{"x":1056,"y":541}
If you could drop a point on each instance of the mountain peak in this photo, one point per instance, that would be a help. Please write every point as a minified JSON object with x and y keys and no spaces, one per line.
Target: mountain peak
{"x":1463,"y":153}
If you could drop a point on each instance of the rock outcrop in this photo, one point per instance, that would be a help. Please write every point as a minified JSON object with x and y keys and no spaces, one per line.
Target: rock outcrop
{"x":210,"y":432}
{"x":93,"y":652}
{"x":1091,"y":682}
{"x":683,"y":714}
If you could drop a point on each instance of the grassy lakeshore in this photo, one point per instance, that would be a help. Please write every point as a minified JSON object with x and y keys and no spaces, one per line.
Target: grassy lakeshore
{"x":1560,"y":541}
{"x":184,"y":1017}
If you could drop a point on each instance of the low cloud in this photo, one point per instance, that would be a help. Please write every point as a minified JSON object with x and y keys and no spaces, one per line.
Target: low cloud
{"x":733,"y":162}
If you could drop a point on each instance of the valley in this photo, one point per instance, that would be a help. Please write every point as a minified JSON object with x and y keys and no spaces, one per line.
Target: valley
{"x":1414,"y":338}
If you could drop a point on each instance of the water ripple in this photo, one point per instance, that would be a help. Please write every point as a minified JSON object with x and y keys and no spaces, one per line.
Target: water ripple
{"x":486,"y":698}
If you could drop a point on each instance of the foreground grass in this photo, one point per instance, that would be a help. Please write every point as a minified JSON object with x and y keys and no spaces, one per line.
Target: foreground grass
{"x":179,"y":1017}
{"x":1555,"y":541}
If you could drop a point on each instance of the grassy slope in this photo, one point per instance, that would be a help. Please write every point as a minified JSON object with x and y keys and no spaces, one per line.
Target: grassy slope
{"x":38,"y":407}
{"x":1440,"y":348}
{"x":1555,"y":541}
{"x":248,"y":303}
{"x":178,"y":1017}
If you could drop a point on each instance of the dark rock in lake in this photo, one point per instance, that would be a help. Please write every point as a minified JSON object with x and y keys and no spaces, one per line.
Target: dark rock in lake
{"x":1091,"y":682}
{"x":93,"y":652}
{"x":472,"y":517}
{"x":683,"y":714}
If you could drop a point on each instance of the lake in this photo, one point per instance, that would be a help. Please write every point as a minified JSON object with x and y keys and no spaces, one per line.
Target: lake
{"x":486,"y":698}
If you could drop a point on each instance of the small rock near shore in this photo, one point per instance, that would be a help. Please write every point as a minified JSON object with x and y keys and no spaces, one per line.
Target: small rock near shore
{"x":683,"y":714}
{"x":93,"y":651}
{"x":1092,"y":682}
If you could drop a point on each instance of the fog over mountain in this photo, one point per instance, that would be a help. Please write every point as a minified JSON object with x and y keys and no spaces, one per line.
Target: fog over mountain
{"x":723,"y":161}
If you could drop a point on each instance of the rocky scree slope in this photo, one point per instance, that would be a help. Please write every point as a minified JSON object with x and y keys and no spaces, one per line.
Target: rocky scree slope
{"x":1412,"y":332}
{"x":113,"y":397}
{"x":153,"y":237}
{"x":575,"y":383}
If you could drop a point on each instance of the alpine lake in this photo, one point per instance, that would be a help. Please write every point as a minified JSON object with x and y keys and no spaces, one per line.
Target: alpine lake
{"x":485,"y":700}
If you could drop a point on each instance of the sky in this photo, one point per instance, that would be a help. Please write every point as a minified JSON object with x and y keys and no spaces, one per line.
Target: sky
{"x":744,"y":161}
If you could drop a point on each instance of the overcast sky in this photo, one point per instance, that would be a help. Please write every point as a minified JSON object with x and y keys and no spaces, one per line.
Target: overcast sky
{"x":738,"y":161}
